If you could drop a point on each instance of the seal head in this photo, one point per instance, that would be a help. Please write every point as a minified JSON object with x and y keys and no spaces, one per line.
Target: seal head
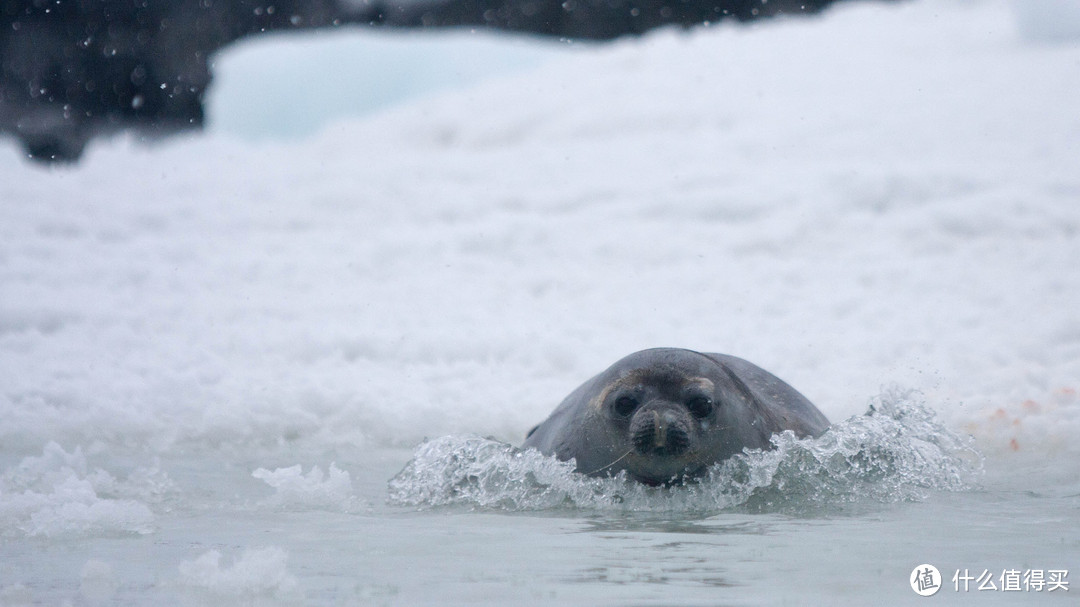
{"x":667,"y":414}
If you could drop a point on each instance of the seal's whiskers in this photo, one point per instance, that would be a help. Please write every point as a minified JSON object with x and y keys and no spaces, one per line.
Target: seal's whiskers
{"x":620,"y":458}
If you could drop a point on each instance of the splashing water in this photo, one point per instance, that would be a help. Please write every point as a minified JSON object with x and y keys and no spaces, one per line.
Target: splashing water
{"x":897,"y":451}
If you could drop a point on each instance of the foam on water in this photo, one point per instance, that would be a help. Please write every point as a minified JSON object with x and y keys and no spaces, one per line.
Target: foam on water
{"x":897,"y":451}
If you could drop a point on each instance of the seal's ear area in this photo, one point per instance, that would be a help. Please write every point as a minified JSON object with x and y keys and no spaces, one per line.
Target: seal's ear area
{"x":788,"y":409}
{"x":724,"y":362}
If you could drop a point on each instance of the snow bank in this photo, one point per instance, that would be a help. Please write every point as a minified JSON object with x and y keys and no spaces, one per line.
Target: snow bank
{"x":882,"y":196}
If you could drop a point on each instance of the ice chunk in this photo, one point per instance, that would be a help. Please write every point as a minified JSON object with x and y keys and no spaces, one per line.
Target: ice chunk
{"x":258,"y":572}
{"x":59,"y":494}
{"x":296,"y":490}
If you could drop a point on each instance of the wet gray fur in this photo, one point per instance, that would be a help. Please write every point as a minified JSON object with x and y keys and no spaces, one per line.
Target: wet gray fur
{"x":620,"y":419}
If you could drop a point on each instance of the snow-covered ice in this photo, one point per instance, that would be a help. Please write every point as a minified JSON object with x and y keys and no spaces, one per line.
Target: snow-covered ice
{"x":881,"y":197}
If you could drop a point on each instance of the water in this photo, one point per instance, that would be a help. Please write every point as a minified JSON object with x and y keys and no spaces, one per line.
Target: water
{"x":397,"y":555}
{"x":473,"y":521}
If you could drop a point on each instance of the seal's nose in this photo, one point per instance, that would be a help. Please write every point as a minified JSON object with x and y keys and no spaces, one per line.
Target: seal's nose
{"x":659,"y":431}
{"x":662,"y":421}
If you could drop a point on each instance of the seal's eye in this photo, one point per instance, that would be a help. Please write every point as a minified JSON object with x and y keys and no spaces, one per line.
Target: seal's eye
{"x":699,"y":406}
{"x":624,"y":405}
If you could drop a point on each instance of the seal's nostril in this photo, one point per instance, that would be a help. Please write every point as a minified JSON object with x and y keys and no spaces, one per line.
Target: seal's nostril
{"x":678,"y":441}
{"x":643,"y":440}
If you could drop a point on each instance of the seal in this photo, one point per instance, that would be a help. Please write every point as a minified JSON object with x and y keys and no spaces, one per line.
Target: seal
{"x":665,"y":415}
